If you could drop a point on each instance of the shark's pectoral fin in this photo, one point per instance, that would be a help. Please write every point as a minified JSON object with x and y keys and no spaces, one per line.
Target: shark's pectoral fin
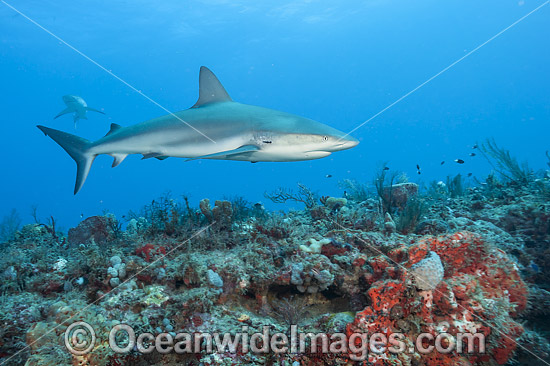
{"x":210,"y":89}
{"x":229,"y":153}
{"x":65,"y":111}
{"x":119,"y":158}
{"x":94,"y":110}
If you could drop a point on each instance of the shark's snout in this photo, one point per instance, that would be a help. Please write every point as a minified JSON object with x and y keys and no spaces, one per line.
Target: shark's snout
{"x":344,"y":143}
{"x":350,"y":142}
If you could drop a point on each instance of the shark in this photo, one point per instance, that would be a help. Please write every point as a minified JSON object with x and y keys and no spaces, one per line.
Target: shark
{"x":215,"y":127}
{"x":78,"y":106}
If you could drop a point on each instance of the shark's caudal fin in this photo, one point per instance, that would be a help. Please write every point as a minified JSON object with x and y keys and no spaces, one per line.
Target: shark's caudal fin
{"x":76,"y":118}
{"x":77,"y":148}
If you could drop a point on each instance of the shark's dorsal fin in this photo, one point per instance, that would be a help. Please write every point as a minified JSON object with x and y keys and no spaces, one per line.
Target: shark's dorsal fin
{"x":210,"y":89}
{"x":114,"y":128}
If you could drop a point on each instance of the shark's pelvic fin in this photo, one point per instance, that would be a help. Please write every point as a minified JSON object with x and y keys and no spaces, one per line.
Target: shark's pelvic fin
{"x":65,"y":111}
{"x":210,"y":89}
{"x":158,"y":156}
{"x":77,"y":148}
{"x":152,"y":155}
{"x":118,"y":158}
{"x":94,"y":110}
{"x":240,"y":150}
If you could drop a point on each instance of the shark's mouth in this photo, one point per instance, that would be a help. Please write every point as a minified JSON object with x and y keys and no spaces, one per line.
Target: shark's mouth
{"x":329,"y":149}
{"x":317,"y":153}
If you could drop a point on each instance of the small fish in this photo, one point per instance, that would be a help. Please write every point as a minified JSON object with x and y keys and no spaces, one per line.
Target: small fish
{"x":443,"y":162}
{"x":386,"y":168}
{"x":472,"y":154}
{"x":459,"y":161}
{"x":418,"y":169}
{"x":469,"y":174}
{"x":474,"y":147}
{"x":328,"y":176}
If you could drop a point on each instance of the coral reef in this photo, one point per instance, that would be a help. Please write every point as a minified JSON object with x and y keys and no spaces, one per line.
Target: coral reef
{"x":428,"y":273}
{"x":448,"y":261}
{"x":481,"y":285}
{"x":505,"y":164}
{"x":9,"y":225}
{"x":99,"y":229}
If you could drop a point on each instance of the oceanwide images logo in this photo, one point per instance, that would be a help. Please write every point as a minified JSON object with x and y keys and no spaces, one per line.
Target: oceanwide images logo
{"x":80,"y":339}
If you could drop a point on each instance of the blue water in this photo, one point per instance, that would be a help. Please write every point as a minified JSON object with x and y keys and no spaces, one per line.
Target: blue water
{"x":336,"y":62}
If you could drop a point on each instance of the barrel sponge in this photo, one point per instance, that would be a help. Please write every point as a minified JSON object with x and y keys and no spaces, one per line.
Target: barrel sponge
{"x":428,"y":273}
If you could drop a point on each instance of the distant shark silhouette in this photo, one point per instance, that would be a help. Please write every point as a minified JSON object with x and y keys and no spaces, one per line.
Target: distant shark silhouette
{"x":78,"y":106}
{"x":240,"y":131}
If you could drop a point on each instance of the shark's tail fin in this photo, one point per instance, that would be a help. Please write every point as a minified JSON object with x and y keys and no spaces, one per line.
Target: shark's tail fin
{"x":77,"y":148}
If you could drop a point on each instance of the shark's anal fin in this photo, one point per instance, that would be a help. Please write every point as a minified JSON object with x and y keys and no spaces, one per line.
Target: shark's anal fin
{"x":240,"y":150}
{"x":210,"y":89}
{"x":94,"y":110}
{"x":118,"y":158}
{"x":114,"y":128}
{"x":65,"y":111}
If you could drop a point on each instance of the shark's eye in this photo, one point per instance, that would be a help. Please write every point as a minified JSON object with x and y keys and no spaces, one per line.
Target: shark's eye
{"x":325,"y":138}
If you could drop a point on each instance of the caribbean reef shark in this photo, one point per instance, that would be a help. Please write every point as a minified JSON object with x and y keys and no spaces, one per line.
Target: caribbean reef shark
{"x":78,"y":106}
{"x":215,"y":127}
